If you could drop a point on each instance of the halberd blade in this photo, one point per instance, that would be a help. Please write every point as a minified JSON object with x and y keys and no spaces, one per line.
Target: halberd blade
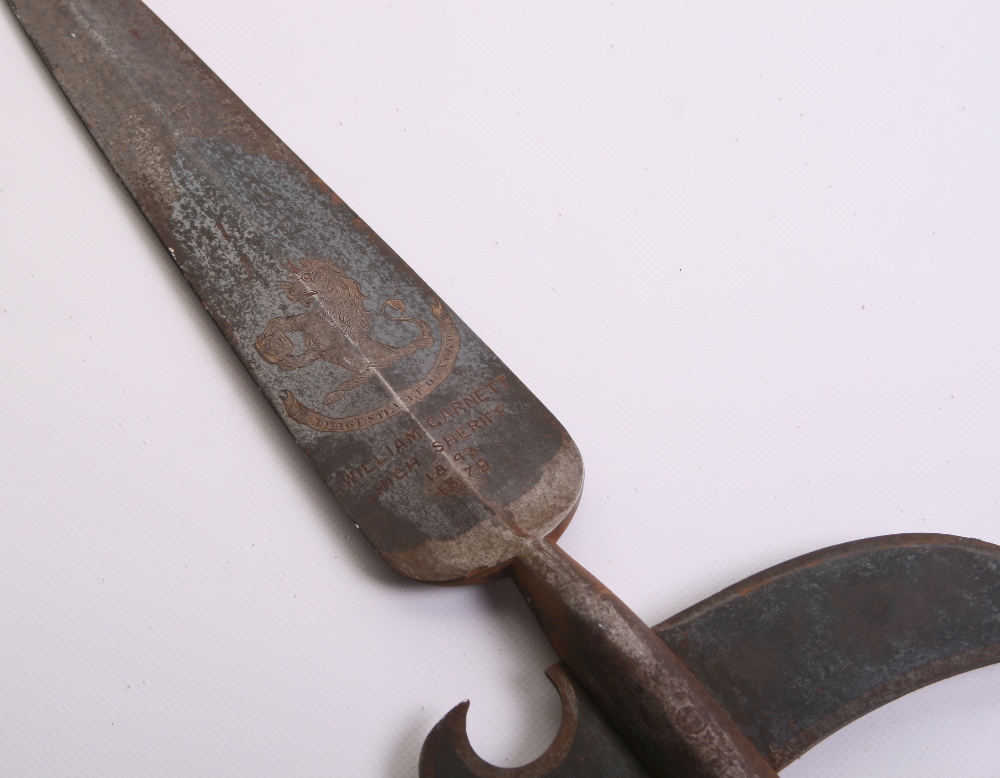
{"x":456,"y":472}
{"x":792,"y":653}
{"x":447,"y":450}
{"x":798,"y":651}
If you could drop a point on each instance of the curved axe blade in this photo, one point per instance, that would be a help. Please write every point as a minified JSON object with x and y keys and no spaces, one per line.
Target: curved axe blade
{"x":793,"y":653}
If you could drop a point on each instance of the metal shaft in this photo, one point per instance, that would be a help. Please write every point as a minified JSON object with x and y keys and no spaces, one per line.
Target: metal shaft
{"x":671,"y":721}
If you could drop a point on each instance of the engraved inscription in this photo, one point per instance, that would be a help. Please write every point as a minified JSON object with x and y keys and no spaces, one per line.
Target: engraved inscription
{"x":481,"y":404}
{"x":452,"y":462}
{"x":467,"y":403}
{"x":473,"y":426}
{"x":399,"y":473}
{"x":466,"y":462}
{"x":379,"y":458}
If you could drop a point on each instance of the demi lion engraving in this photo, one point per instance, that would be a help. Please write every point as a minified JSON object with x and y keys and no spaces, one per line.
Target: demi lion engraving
{"x":337,"y":328}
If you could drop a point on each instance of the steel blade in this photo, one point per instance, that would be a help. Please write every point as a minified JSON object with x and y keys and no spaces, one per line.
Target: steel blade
{"x":794,"y":653}
{"x":425,"y":436}
{"x":448,"y":216}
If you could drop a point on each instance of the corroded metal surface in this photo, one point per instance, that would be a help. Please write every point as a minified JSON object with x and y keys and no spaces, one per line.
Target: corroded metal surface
{"x":669,"y":719}
{"x":586,"y":745}
{"x":456,"y":473}
{"x":797,"y":651}
{"x":429,"y":441}
{"x":450,"y":466}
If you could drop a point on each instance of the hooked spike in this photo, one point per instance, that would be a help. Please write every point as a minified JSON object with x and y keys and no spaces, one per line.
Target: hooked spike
{"x":792,"y":653}
{"x":586,"y":745}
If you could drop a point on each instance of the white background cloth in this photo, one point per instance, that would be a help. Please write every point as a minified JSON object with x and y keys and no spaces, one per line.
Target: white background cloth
{"x":748,"y":254}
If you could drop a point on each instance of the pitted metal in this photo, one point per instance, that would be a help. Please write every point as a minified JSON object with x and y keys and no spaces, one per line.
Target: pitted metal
{"x":793,"y":653}
{"x":425,"y":436}
{"x":456,"y":473}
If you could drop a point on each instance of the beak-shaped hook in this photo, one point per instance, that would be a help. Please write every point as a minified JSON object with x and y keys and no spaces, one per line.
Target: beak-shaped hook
{"x":586,"y":746}
{"x":793,"y":653}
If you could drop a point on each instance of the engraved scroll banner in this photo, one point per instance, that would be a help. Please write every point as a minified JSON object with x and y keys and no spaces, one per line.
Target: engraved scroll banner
{"x":440,"y":370}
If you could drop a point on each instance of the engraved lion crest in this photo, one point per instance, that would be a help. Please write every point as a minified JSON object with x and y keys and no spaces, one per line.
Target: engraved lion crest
{"x":336,"y":329}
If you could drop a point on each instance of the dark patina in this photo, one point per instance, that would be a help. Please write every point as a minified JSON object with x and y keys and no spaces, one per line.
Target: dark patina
{"x":457,"y":474}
